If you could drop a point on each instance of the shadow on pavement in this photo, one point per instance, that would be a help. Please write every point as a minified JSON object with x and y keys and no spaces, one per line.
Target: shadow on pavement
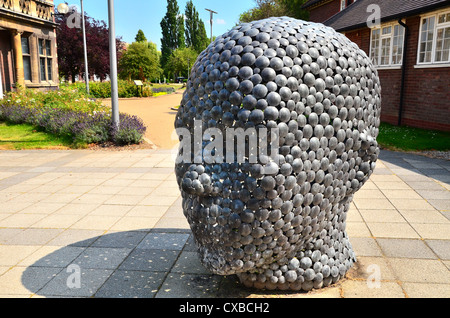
{"x":159,"y":263}
{"x":438,"y":169}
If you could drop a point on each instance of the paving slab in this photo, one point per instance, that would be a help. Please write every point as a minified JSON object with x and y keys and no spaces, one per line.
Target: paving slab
{"x":113,"y":222}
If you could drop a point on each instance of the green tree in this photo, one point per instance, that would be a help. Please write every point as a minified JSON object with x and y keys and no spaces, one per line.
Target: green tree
{"x":196,"y":36}
{"x":293,"y":8}
{"x":275,"y":8}
{"x":181,"y":61}
{"x":140,"y":61}
{"x":140,"y":36}
{"x":172,"y":26}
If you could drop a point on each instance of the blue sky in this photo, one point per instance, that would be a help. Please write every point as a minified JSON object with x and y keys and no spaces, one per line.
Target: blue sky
{"x":132,"y":15}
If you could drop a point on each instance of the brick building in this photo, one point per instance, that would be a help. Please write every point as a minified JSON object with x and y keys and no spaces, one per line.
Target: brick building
{"x":27,"y":44}
{"x":410,"y":46}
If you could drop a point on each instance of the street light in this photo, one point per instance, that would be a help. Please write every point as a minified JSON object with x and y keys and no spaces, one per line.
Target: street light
{"x":63,"y":9}
{"x":212,"y":21}
{"x":113,"y":65}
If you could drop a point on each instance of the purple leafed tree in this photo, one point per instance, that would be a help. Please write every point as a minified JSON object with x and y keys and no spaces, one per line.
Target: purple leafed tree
{"x":70,"y":47}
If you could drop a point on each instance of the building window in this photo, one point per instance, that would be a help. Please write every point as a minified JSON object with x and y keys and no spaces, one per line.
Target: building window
{"x":386,"y":45}
{"x":434,"y":41}
{"x":26,"y":58}
{"x":45,"y":60}
{"x":343,"y":4}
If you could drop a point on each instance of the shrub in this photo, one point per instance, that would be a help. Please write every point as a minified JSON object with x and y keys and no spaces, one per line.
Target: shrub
{"x":131,"y":130}
{"x":69,"y":113}
{"x":127,"y":89}
{"x":168,"y":90}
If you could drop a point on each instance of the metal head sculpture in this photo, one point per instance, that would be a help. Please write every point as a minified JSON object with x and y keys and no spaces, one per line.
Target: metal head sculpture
{"x":276,"y":216}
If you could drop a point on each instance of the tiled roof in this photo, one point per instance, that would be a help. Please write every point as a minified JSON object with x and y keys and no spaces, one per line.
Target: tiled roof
{"x":357,"y":15}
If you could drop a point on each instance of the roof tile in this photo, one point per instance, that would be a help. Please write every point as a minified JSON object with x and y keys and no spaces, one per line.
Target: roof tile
{"x":356,"y":15}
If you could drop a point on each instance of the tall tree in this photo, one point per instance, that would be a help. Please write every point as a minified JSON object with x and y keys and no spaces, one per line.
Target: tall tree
{"x":140,"y":61}
{"x":181,"y":61}
{"x":275,"y":8}
{"x":140,"y":36}
{"x":196,"y":36}
{"x":172,"y":26}
{"x":70,"y":48}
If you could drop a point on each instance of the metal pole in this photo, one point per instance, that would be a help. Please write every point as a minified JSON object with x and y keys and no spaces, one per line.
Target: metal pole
{"x":212,"y":21}
{"x":85,"y":49}
{"x":113,"y":61}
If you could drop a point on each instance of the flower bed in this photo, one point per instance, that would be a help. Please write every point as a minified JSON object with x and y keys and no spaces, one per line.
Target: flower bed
{"x":67,"y":112}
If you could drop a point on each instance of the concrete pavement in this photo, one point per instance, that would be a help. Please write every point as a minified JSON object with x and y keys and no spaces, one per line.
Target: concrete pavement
{"x":109,"y":224}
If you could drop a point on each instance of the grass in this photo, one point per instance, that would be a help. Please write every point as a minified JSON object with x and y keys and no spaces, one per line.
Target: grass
{"x":27,"y":137}
{"x":412,"y":139}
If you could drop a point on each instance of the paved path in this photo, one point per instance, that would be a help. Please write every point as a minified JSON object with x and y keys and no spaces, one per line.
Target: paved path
{"x":111,"y":224}
{"x":157,"y":114}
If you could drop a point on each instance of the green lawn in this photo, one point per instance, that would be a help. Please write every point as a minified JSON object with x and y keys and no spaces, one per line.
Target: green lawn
{"x":26,"y":137}
{"x":412,"y":139}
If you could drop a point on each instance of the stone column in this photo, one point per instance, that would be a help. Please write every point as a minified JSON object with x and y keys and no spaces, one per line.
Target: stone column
{"x":34,"y":53}
{"x":18,"y":58}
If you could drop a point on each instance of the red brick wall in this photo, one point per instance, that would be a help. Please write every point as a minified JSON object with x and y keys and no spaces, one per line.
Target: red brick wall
{"x":324,"y":12}
{"x":427,"y":94}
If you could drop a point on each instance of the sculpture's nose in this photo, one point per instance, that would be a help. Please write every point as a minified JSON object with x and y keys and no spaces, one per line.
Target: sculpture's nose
{"x":369,"y":146}
{"x":197,"y":182}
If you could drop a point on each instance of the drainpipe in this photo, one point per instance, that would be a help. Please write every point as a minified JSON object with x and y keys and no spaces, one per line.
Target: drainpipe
{"x":402,"y":90}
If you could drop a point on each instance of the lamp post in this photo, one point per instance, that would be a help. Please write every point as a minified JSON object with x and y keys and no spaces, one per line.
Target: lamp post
{"x":212,"y":21}
{"x":113,"y":65}
{"x":85,"y":49}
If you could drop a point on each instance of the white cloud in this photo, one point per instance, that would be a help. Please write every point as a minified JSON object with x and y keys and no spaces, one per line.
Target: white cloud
{"x":221,"y":21}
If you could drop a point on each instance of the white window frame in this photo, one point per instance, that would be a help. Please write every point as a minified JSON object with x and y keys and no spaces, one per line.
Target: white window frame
{"x":343,"y":4}
{"x":437,"y":27}
{"x":377,"y":59}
